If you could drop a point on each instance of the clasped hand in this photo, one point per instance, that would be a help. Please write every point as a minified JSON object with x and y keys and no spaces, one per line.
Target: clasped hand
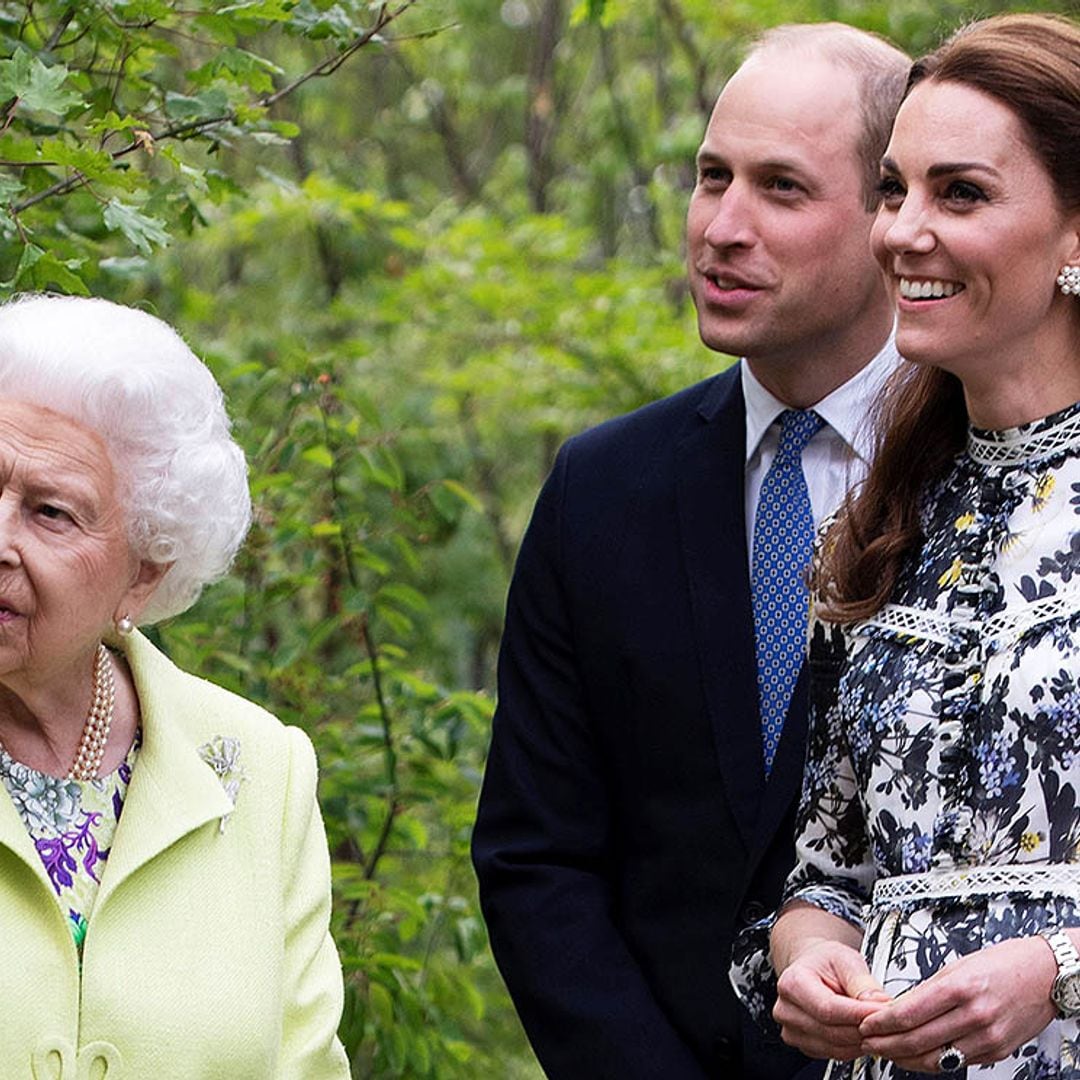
{"x":987,"y":1003}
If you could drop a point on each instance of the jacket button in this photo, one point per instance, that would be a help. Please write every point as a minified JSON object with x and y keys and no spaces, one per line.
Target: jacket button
{"x":723,"y":1050}
{"x":101,"y":1059}
{"x":53,"y":1059}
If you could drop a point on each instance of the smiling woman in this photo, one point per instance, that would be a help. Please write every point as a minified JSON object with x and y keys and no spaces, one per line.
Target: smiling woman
{"x":122,"y":494}
{"x":971,"y":234}
{"x":939,"y":827}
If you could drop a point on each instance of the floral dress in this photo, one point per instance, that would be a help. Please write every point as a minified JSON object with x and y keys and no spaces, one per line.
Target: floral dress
{"x":71,"y":823}
{"x":939,"y":810}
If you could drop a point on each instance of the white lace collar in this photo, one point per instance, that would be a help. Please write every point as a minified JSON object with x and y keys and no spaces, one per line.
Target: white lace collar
{"x":1054,"y":434}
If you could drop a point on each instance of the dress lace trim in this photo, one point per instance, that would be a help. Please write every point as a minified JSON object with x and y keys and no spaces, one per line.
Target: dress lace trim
{"x":1052,"y":435}
{"x":1028,"y":879}
{"x":911,"y":623}
{"x":998,"y":631}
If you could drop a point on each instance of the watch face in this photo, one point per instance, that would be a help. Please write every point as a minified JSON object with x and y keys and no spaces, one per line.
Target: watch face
{"x":1066,"y":994}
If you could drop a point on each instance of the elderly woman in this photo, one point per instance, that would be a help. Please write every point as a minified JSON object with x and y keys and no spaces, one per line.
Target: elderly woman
{"x":164,"y":879}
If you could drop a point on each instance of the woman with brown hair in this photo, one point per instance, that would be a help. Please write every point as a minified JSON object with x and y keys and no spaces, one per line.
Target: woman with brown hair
{"x":933,"y":919}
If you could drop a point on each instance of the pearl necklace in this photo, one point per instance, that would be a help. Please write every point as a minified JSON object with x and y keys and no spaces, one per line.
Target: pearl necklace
{"x":98,"y":722}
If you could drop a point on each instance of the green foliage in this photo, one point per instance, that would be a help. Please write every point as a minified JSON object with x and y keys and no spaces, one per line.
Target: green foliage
{"x":419,"y":244}
{"x":113,"y":114}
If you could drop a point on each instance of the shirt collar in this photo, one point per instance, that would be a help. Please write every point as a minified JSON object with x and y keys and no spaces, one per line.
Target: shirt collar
{"x":846,"y":410}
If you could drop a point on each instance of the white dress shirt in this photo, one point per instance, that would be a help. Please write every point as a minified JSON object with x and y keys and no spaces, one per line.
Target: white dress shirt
{"x":837,"y":457}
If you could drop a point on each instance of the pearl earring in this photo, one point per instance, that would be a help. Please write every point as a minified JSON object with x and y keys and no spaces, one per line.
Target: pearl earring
{"x":1069,"y":280}
{"x":124,"y":625}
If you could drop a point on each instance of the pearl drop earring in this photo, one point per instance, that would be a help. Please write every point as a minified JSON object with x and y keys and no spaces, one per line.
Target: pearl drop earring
{"x":1069,"y":280}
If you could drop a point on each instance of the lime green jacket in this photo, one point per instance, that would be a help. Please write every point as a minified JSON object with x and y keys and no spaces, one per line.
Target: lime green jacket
{"x":207,"y":954}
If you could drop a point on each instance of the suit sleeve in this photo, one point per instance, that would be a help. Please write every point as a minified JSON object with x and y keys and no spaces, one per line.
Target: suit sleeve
{"x":544,"y":840}
{"x":313,"y":991}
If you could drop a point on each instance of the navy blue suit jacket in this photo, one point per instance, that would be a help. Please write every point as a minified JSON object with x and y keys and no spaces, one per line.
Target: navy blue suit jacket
{"x":626,"y":829}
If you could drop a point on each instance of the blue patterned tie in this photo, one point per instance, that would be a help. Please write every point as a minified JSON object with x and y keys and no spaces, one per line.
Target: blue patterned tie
{"x":783,"y":545}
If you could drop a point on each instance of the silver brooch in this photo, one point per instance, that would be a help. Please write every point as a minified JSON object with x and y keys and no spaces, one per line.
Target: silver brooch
{"x":222,"y":754}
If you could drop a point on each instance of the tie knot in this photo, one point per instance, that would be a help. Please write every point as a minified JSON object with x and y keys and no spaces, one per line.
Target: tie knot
{"x":797,"y":428}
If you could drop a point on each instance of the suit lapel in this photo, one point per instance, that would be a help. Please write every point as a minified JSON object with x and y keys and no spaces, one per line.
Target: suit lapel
{"x":710,"y":471}
{"x":172,"y":791}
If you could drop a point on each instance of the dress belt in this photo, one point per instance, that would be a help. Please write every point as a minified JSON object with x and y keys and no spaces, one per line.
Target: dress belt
{"x":1033,"y":879}
{"x":893,"y":894}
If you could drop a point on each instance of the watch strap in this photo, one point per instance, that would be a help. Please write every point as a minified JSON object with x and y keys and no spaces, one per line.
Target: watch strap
{"x":1065,"y":952}
{"x":1067,"y":959}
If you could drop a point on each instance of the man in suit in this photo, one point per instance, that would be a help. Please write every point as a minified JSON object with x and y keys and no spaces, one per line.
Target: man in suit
{"x":634,"y":813}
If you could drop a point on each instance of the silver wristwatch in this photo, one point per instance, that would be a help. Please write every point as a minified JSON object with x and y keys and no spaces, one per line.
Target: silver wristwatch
{"x":1065,"y":993}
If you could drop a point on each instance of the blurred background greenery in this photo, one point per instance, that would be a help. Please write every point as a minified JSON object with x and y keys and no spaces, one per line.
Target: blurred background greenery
{"x":419,"y":243}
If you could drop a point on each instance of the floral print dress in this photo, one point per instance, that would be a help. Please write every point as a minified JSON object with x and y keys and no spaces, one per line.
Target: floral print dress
{"x":945,"y":736}
{"x":71,"y":823}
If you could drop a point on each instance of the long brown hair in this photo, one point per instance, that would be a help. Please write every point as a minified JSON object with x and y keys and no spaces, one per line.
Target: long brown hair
{"x":1031,"y":64}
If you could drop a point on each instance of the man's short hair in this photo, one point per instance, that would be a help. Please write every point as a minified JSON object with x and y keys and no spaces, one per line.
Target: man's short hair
{"x":880,"y":70}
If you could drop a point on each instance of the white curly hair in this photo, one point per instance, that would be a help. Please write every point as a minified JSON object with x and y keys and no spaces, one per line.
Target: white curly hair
{"x":131,"y":379}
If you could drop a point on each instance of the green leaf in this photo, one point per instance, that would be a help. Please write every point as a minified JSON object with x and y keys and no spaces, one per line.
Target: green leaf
{"x":15,"y":147}
{"x":141,"y":229}
{"x":459,"y":1049}
{"x":208,"y":105}
{"x":268,"y":138}
{"x":141,"y":10}
{"x":274,"y":10}
{"x":395,"y":961}
{"x":321,"y":21}
{"x":129,"y":268}
{"x":285,"y":128}
{"x":414,"y":829}
{"x":420,"y":1054}
{"x":221,"y":186}
{"x":88,"y":160}
{"x":393,"y":1042}
{"x":588,"y":11}
{"x":29,"y":255}
{"x":237,"y":65}
{"x":10,"y":186}
{"x":475,"y":999}
{"x":464,"y":494}
{"x":319,"y":455}
{"x":112,"y":122}
{"x":36,"y":86}
{"x":382,"y":1005}
{"x":39,"y":269}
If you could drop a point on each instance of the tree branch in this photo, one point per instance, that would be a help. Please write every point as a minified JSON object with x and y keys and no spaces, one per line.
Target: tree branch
{"x":540,"y":103}
{"x":484,"y":472}
{"x":192,"y":127}
{"x":58,"y":32}
{"x":369,"y":645}
{"x":389,"y":752}
{"x":445,"y":124}
{"x":684,"y":35}
{"x":625,"y":133}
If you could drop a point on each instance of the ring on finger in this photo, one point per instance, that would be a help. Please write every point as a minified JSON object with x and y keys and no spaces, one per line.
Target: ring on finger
{"x":951,"y":1058}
